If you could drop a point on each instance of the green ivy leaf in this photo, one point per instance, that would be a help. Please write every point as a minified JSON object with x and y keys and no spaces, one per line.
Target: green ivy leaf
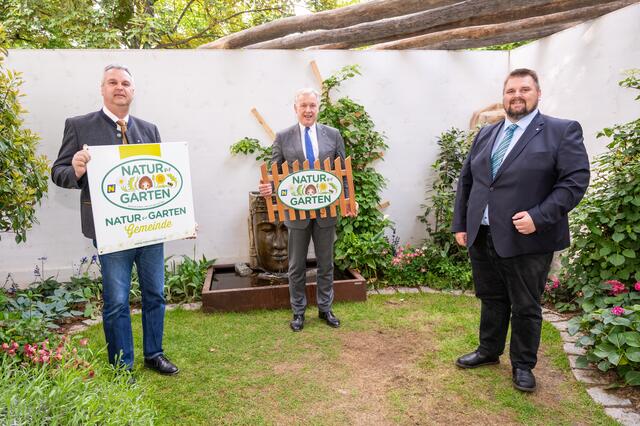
{"x":629,"y":253}
{"x":617,"y":237}
{"x":633,"y":354}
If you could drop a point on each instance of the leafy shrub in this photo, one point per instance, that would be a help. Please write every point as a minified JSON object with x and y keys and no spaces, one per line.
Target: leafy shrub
{"x":23,"y":173}
{"x":364,"y":252}
{"x":426,"y":266}
{"x":611,"y":339}
{"x":606,"y":225}
{"x":184,"y":280}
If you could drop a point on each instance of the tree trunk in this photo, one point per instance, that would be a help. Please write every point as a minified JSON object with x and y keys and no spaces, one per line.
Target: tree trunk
{"x":523,"y":29}
{"x":331,"y":19}
{"x":461,"y":14}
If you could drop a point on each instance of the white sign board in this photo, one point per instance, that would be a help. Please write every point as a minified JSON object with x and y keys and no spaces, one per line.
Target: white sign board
{"x":140,"y":194}
{"x":309,"y":190}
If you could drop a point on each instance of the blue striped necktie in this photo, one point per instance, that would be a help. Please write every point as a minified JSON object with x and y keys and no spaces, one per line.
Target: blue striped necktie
{"x":308,"y":146}
{"x":498,"y":155}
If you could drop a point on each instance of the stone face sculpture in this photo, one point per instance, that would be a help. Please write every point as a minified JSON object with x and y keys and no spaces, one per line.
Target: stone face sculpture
{"x":268,"y":242}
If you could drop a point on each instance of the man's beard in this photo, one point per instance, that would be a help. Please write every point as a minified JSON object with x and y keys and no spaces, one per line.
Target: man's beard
{"x":513,"y":115}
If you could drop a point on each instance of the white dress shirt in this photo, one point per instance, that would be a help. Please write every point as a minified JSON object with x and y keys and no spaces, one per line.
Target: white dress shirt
{"x":114,"y":117}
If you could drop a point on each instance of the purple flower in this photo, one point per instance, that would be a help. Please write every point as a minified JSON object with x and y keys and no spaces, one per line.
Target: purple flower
{"x":617,"y":310}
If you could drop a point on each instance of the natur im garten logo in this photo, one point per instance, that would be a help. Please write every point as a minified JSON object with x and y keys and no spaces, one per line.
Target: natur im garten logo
{"x":309,"y":189}
{"x":142,"y":184}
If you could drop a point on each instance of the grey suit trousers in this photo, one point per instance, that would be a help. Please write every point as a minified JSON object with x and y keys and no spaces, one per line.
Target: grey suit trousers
{"x":323,"y":240}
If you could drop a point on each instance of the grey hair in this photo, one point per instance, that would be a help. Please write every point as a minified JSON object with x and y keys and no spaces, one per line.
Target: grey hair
{"x":306,"y":91}
{"x":116,"y":67}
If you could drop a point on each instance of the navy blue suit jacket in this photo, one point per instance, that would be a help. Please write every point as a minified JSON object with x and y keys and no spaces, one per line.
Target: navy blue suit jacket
{"x":95,"y":128}
{"x":546,"y":174}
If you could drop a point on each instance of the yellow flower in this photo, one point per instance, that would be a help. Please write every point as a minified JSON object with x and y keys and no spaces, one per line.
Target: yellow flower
{"x":161,"y":179}
{"x":323,"y":186}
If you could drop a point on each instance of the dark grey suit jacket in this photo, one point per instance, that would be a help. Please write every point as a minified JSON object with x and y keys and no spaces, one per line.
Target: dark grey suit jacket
{"x":95,"y":128}
{"x":288,"y":147}
{"x":546,"y":174}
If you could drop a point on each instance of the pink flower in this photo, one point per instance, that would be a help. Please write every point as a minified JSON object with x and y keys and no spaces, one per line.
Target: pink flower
{"x":5,"y":346}
{"x":636,"y":286}
{"x":617,"y":310}
{"x":617,"y":287}
{"x":83,"y":342}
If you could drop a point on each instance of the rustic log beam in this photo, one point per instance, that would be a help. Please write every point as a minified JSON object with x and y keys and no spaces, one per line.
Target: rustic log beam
{"x":330,"y":19}
{"x":523,"y":29}
{"x":529,"y":34}
{"x":464,"y":13}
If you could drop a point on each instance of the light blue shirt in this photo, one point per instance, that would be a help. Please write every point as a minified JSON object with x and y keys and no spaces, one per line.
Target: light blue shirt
{"x":522,"y":124}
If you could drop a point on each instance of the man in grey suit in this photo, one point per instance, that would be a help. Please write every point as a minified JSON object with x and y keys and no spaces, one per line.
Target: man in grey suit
{"x":522,"y":177}
{"x":309,"y":140}
{"x":112,"y":125}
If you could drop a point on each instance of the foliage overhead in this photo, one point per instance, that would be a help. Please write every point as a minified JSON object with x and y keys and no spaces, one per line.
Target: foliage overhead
{"x":138,"y":24}
{"x":23,"y":173}
{"x":132,"y":24}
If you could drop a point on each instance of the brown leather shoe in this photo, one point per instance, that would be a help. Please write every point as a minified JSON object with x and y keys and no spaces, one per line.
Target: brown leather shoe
{"x":162,"y":365}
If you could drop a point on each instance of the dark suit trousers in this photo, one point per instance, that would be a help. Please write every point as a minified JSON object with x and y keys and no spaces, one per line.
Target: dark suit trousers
{"x":510,"y":288}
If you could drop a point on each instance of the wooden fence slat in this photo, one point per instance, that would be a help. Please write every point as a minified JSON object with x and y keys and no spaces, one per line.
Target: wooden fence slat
{"x":268,"y":200}
{"x":352,"y":198}
{"x":285,"y":173}
{"x":340,"y":175}
{"x":276,"y":181}
{"x":301,"y":213}
{"x":332,"y":207}
{"x":305,"y":166}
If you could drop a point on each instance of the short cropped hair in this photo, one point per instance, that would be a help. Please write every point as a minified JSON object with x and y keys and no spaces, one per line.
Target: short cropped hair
{"x":116,"y":67}
{"x":522,"y":72}
{"x":306,"y":91}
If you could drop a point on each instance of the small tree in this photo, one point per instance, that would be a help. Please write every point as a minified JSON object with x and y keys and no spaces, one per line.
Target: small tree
{"x":23,"y":174}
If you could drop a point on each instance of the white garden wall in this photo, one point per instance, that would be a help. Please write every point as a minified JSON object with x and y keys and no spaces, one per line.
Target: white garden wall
{"x":205,"y":97}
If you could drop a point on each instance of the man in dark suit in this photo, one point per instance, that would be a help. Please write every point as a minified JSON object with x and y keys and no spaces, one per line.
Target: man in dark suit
{"x":308,"y":140}
{"x":112,"y":125}
{"x":521,"y":178}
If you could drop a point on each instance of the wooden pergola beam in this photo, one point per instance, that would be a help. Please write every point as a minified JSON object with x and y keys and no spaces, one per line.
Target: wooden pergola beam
{"x":460,"y":14}
{"x":519,"y":30}
{"x":331,"y":19}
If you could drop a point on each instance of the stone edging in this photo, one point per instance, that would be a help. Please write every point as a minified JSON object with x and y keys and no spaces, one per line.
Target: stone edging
{"x":596,"y":382}
{"x":618,"y":408}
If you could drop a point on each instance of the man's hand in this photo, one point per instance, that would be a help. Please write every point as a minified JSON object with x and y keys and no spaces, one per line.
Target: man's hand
{"x":265,"y":189}
{"x":351,"y":213}
{"x":461,"y":238}
{"x":79,"y":162}
{"x":523,"y":223}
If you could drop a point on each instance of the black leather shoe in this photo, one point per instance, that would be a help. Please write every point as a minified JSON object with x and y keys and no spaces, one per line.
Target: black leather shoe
{"x":476,"y":359}
{"x":297,"y":323}
{"x":524,"y":380}
{"x":329,"y":318}
{"x":161,"y":365}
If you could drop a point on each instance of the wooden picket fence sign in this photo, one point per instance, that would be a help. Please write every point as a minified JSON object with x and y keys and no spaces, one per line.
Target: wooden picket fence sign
{"x":275,"y":206}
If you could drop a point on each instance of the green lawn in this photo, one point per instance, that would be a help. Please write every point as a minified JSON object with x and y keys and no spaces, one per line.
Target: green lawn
{"x":392,"y":362}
